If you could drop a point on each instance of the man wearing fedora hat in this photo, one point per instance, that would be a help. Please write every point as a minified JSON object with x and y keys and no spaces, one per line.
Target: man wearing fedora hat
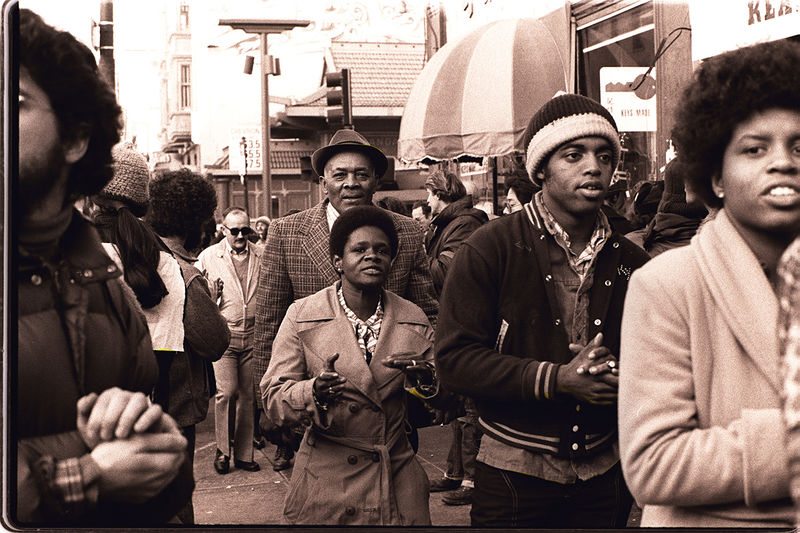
{"x":297,"y":262}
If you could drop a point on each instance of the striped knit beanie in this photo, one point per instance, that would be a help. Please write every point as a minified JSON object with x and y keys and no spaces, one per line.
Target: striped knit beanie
{"x":131,"y":181}
{"x":562,"y":119}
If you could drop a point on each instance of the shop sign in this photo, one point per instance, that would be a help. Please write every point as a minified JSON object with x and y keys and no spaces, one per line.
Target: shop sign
{"x":722,"y":25}
{"x":629,"y":95}
{"x":251,"y":146}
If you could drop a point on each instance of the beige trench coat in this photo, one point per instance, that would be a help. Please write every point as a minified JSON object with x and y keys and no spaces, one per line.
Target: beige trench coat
{"x":355,"y":465}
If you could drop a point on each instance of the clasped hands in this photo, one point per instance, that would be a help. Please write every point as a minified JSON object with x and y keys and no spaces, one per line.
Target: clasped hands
{"x":138,"y":448}
{"x":592,"y":375}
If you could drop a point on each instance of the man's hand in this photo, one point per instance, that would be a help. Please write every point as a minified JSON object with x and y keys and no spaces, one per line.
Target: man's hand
{"x":116,"y":414}
{"x":592,"y":375}
{"x":136,"y":469}
{"x":216,"y":289}
{"x":329,"y":385}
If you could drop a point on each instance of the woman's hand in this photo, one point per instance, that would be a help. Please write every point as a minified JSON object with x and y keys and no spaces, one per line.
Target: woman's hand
{"x":328,"y":385}
{"x":420,"y":372}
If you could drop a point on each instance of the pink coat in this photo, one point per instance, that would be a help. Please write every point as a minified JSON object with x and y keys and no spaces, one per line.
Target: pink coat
{"x":702,"y":439}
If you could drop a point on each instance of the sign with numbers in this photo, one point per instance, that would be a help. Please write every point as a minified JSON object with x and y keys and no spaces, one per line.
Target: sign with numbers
{"x":245,"y":143}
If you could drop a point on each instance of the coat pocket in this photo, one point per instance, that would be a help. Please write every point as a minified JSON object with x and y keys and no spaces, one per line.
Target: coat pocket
{"x":300,"y":496}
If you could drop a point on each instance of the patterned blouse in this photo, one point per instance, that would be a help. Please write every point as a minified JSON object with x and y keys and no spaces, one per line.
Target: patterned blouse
{"x":367,"y":331}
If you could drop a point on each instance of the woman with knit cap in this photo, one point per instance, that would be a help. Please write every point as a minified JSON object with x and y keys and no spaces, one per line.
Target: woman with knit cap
{"x":702,"y":440}
{"x":148,"y":267}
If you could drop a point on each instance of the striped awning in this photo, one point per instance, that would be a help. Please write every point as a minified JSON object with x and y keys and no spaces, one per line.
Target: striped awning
{"x":476,"y":95}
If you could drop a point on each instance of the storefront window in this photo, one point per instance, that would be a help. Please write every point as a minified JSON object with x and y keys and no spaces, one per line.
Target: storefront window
{"x":621,"y":40}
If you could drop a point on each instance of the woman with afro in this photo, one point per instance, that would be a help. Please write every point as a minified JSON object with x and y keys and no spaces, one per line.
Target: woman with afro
{"x":702,"y":439}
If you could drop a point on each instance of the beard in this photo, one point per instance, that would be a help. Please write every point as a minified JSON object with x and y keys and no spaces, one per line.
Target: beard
{"x":38,"y":176}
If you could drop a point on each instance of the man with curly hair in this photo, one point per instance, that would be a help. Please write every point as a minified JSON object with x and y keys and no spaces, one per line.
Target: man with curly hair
{"x":91,"y":449}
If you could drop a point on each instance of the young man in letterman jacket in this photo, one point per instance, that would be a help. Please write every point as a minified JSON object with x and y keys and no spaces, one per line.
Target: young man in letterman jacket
{"x":529,"y":326}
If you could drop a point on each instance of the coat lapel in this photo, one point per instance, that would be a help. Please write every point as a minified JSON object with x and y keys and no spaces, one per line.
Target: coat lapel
{"x":742,"y":292}
{"x":397,"y":340}
{"x":332,"y":333}
{"x":315,"y":244}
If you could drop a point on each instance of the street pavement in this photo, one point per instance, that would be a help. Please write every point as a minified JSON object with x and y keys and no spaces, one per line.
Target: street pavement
{"x":240,"y":497}
{"x":256,"y":498}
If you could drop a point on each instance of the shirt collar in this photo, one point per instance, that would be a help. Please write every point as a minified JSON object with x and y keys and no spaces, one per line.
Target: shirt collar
{"x":234,"y":252}
{"x":602,"y":229}
{"x":332,"y":214}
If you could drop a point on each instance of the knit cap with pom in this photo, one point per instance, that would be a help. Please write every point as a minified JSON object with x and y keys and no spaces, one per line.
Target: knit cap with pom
{"x":131,"y":181}
{"x":564,"y":118}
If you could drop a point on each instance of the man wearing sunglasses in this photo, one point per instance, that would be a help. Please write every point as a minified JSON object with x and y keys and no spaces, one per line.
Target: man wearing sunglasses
{"x":233,"y":266}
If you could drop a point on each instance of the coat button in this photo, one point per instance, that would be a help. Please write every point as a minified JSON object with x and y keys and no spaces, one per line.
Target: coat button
{"x":349,"y":510}
{"x":616,"y":245}
{"x":597,"y":321}
{"x":608,"y":283}
{"x":352,"y":459}
{"x":578,"y":407}
{"x":353,"y":408}
{"x":575,"y":446}
{"x":548,"y":278}
{"x":88,"y":273}
{"x":575,"y":429}
{"x":558,"y":321}
{"x":36,"y":279}
{"x":111,"y":268}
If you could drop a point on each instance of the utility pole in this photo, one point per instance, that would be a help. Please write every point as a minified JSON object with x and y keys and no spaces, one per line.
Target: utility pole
{"x":243,"y":145}
{"x":106,"y":64}
{"x":263,"y":28}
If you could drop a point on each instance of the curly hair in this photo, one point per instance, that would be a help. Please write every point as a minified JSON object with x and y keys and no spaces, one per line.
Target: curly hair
{"x":359,"y":216}
{"x":81,"y":99}
{"x":727,"y":90}
{"x":180,"y":202}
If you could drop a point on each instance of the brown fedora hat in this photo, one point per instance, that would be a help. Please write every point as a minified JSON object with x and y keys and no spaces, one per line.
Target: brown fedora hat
{"x":347,"y":140}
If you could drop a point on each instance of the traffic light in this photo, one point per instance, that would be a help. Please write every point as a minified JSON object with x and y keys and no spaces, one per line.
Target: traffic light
{"x":338,"y":97}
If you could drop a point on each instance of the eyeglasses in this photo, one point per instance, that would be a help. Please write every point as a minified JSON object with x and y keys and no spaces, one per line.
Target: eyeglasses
{"x":247,"y":230}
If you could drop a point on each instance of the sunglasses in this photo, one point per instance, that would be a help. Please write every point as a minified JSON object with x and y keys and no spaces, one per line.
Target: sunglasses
{"x":247,"y":230}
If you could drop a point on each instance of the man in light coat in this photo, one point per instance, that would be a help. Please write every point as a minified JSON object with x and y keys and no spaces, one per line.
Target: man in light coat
{"x":298,"y":264}
{"x":233,"y":266}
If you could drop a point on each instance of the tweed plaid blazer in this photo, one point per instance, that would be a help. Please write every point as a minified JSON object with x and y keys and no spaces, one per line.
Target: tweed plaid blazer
{"x":296,"y":263}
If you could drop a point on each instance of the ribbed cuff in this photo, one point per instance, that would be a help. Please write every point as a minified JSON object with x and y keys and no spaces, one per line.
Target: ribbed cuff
{"x":544,"y":381}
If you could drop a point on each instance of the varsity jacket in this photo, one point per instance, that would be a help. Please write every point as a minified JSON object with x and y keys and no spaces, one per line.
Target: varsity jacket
{"x":501,"y":339}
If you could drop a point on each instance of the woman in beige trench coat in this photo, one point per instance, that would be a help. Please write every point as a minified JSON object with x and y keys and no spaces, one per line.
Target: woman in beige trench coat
{"x":355,"y":465}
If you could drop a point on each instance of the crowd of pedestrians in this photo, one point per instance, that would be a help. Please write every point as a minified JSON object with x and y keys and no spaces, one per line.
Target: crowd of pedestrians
{"x":583,"y":367}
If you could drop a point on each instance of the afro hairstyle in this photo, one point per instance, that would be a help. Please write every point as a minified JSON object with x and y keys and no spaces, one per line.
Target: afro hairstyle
{"x":357,"y":217}
{"x":725,"y":91}
{"x":180,"y":202}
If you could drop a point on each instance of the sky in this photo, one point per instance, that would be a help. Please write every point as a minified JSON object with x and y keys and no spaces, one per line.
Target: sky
{"x":140,"y":30}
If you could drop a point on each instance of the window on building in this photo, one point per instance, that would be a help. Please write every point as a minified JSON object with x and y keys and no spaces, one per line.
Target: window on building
{"x":183,"y":17}
{"x":186,"y":87}
{"x":621,"y":39}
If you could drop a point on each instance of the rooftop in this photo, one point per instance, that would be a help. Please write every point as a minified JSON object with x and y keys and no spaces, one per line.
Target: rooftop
{"x":381,"y":74}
